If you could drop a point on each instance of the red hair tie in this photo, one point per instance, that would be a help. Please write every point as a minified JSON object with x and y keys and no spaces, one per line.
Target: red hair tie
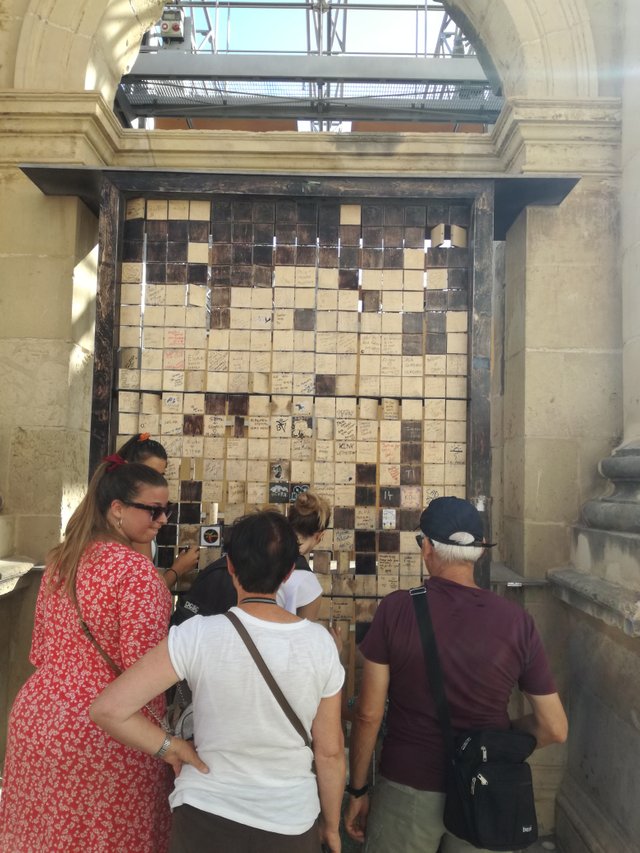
{"x":114,"y":460}
{"x":144,"y":436}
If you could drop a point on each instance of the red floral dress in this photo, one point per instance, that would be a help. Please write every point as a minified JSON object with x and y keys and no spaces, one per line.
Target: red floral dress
{"x":68,"y":786}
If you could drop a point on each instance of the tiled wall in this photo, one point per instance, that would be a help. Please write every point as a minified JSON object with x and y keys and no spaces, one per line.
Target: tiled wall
{"x":273,"y":345}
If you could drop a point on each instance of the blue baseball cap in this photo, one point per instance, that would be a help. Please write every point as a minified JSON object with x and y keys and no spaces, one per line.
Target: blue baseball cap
{"x":453,"y":521}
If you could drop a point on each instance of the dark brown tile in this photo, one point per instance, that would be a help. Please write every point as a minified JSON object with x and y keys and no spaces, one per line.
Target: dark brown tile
{"x":193,"y":424}
{"x":412,"y":323}
{"x":328,"y":257}
{"x":410,"y":452}
{"x":285,"y":255}
{"x":411,"y":430}
{"x":389,"y":496}
{"x":389,"y":541}
{"x":264,"y":211}
{"x":365,"y":496}
{"x":328,"y":235}
{"x":215,"y":404}
{"x":325,"y":385}
{"x":304,"y":319}
{"x":372,"y":259}
{"x":306,"y":256}
{"x":220,"y":276}
{"x":436,"y":322}
{"x":221,"y":232}
{"x":307,"y":212}
{"x":220,"y":297}
{"x":435,"y":300}
{"x":189,"y":513}
{"x":393,"y":237}
{"x":263,"y":233}
{"x":242,"y":254}
{"x":197,"y":273}
{"x":133,"y":229}
{"x":133,"y":251}
{"x":242,"y":276}
{"x":177,"y":273}
{"x":372,"y":237}
{"x":177,"y":252}
{"x":365,"y":540}
{"x":221,"y":254}
{"x":415,"y":215}
{"x":349,"y":235}
{"x":242,"y":232}
{"x":371,"y":300}
{"x":199,"y":232}
{"x":178,"y":230}
{"x":329,"y":214}
{"x":238,"y":404}
{"x":366,"y":473}
{"x":365,"y":563}
{"x":344,"y":517}
{"x":410,"y":475}
{"x":157,"y":273}
{"x":350,"y":257}
{"x":287,"y":211}
{"x":409,"y":519}
{"x":307,"y":234}
{"x":157,"y":253}
{"x":242,"y":211}
{"x":156,"y":229}
{"x":262,"y":276}
{"x":412,"y":345}
{"x":263,"y":255}
{"x":393,"y":259}
{"x":190,"y":490}
{"x":220,"y":318}
{"x":372,"y":214}
{"x":348,"y":279}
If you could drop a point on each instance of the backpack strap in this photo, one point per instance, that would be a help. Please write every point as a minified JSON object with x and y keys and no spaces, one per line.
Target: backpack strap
{"x":268,"y":677}
{"x":432,"y":660}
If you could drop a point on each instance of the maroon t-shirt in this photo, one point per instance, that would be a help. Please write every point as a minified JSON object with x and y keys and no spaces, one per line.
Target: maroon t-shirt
{"x":486,"y":645}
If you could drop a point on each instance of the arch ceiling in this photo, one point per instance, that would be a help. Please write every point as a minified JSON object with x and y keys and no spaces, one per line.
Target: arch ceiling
{"x":540,"y":48}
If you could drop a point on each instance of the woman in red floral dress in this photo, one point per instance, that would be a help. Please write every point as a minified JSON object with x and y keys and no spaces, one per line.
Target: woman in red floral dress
{"x":68,"y":787}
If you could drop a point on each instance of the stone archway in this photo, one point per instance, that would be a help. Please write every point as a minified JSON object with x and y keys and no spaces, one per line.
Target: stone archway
{"x":87,"y":46}
{"x":540,"y":48}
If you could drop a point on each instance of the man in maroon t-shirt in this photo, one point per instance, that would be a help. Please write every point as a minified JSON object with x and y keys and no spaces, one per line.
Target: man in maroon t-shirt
{"x":487,"y":645}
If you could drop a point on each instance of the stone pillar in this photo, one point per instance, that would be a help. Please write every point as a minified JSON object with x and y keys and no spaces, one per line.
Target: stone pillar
{"x":609,"y":543}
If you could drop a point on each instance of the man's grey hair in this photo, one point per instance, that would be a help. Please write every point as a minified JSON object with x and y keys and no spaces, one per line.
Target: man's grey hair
{"x":457,"y":553}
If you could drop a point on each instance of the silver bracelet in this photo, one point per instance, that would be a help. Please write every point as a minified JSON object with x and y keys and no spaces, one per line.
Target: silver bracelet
{"x":166,"y":743}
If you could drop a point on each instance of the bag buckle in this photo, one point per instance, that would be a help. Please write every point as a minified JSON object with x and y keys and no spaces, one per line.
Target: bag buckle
{"x":418,"y":590}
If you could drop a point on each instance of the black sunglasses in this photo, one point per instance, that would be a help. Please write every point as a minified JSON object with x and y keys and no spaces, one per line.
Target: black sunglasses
{"x":420,"y":537}
{"x":156,"y":511}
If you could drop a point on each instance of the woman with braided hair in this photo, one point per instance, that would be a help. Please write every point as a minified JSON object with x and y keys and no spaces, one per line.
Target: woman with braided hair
{"x":68,"y":787}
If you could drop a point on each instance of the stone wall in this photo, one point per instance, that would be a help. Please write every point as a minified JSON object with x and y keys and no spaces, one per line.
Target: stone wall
{"x":556,"y":408}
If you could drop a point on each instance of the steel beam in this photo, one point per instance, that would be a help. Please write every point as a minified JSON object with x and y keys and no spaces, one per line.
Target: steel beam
{"x":173,"y":64}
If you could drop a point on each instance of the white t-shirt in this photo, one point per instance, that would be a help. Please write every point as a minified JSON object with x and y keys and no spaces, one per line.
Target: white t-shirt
{"x":259,"y":768}
{"x":300,"y":588}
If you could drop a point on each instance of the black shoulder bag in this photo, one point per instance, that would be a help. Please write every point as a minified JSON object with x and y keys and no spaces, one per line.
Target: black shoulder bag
{"x":489,"y":792}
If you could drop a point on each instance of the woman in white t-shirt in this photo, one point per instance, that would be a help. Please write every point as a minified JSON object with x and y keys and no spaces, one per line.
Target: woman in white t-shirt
{"x":301,"y":593}
{"x":250,"y":785}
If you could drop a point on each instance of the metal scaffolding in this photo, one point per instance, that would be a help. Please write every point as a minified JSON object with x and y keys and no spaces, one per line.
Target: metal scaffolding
{"x":325,"y":63}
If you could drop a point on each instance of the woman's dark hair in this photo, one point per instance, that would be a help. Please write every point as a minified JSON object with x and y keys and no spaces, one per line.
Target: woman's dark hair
{"x":141,"y":447}
{"x":89,"y":521}
{"x":309,"y":514}
{"x":262,"y":547}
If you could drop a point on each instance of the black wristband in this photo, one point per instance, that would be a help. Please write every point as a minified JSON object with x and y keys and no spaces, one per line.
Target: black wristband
{"x":357,"y":792}
{"x":171,"y":569}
